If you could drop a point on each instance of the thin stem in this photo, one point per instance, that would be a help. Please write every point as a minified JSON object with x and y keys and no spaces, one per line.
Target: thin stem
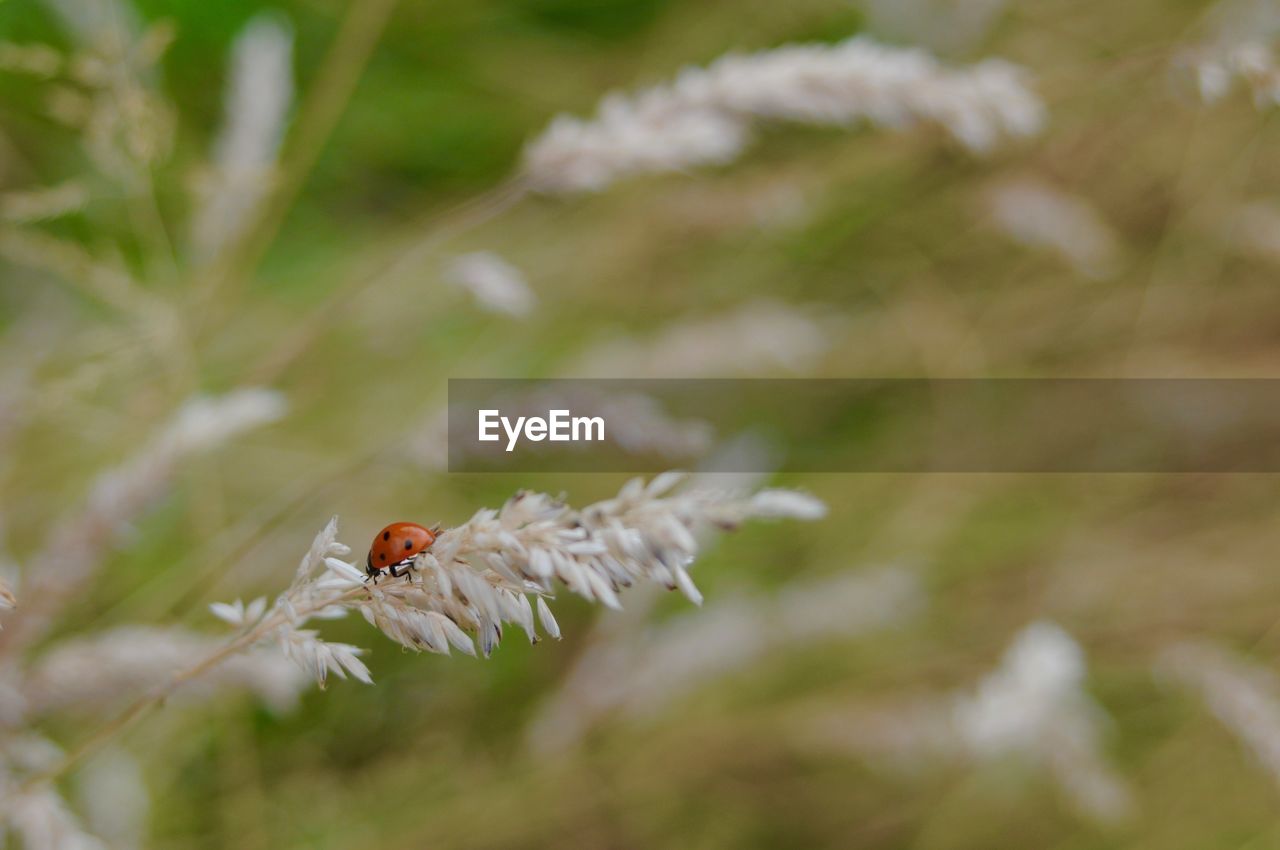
{"x":468,"y":215}
{"x":144,"y":705}
{"x":139,"y":709}
{"x":149,"y":222}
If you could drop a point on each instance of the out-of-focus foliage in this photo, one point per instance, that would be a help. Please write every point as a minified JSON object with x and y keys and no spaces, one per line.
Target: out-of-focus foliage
{"x":888,"y":239}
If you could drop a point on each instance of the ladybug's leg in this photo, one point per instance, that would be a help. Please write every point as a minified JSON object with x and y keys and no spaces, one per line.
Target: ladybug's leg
{"x":396,"y":569}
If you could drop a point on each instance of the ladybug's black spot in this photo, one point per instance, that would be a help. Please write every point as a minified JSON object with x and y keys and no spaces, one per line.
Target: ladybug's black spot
{"x":382,"y":557}
{"x":408,"y":544}
{"x":386,"y":535}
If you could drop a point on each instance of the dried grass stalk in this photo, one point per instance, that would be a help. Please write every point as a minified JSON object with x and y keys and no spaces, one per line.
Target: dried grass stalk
{"x":704,"y":117}
{"x":647,"y":672}
{"x":259,"y":95}
{"x":481,"y":575}
{"x":1032,"y":707}
{"x":1245,"y":697}
{"x":1038,"y":215}
{"x":495,"y":284}
{"x":77,"y":544}
{"x":114,"y":666}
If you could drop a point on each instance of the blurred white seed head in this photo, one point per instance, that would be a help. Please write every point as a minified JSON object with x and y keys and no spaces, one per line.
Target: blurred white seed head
{"x":787,"y":503}
{"x":762,"y":337}
{"x":495,"y":284}
{"x":1245,"y":697}
{"x":725,"y":468}
{"x":1034,"y":704}
{"x":1039,"y":216}
{"x":639,"y":424}
{"x":759,"y":338}
{"x":1218,"y":69}
{"x":1033,"y":707}
{"x":641,"y":674}
{"x":44,"y":822}
{"x":98,"y":23}
{"x":203,"y":423}
{"x":13,"y":702}
{"x":38,"y":60}
{"x":89,"y":674}
{"x":946,"y":26}
{"x":104,"y":278}
{"x":653,"y":132}
{"x":259,"y":94}
{"x":8,"y":600}
{"x":43,"y":204}
{"x":1040,"y":675}
{"x":124,"y":123}
{"x":1237,"y":51}
{"x":1254,"y":229}
{"x":705,"y":116}
{"x":112,"y":793}
{"x":207,"y":421}
{"x":80,"y":540}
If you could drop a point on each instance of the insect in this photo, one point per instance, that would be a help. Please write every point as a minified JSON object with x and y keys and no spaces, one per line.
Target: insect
{"x":396,"y":546}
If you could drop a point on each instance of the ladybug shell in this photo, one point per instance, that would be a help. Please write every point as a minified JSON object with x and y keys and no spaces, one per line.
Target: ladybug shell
{"x":397,"y":543}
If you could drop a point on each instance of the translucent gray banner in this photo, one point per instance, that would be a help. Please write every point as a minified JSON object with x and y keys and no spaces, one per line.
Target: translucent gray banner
{"x":953,"y":425}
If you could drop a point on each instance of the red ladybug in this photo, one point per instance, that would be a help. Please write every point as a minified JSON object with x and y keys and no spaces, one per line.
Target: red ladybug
{"x":396,"y":546}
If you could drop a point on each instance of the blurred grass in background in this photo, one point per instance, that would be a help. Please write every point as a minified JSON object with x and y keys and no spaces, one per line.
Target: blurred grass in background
{"x":890,"y":241}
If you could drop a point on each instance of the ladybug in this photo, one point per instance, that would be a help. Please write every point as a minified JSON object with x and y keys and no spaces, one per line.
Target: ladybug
{"x":396,"y":546}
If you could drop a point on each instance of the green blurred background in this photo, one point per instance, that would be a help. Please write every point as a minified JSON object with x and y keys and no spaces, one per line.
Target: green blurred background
{"x":890,"y":253}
